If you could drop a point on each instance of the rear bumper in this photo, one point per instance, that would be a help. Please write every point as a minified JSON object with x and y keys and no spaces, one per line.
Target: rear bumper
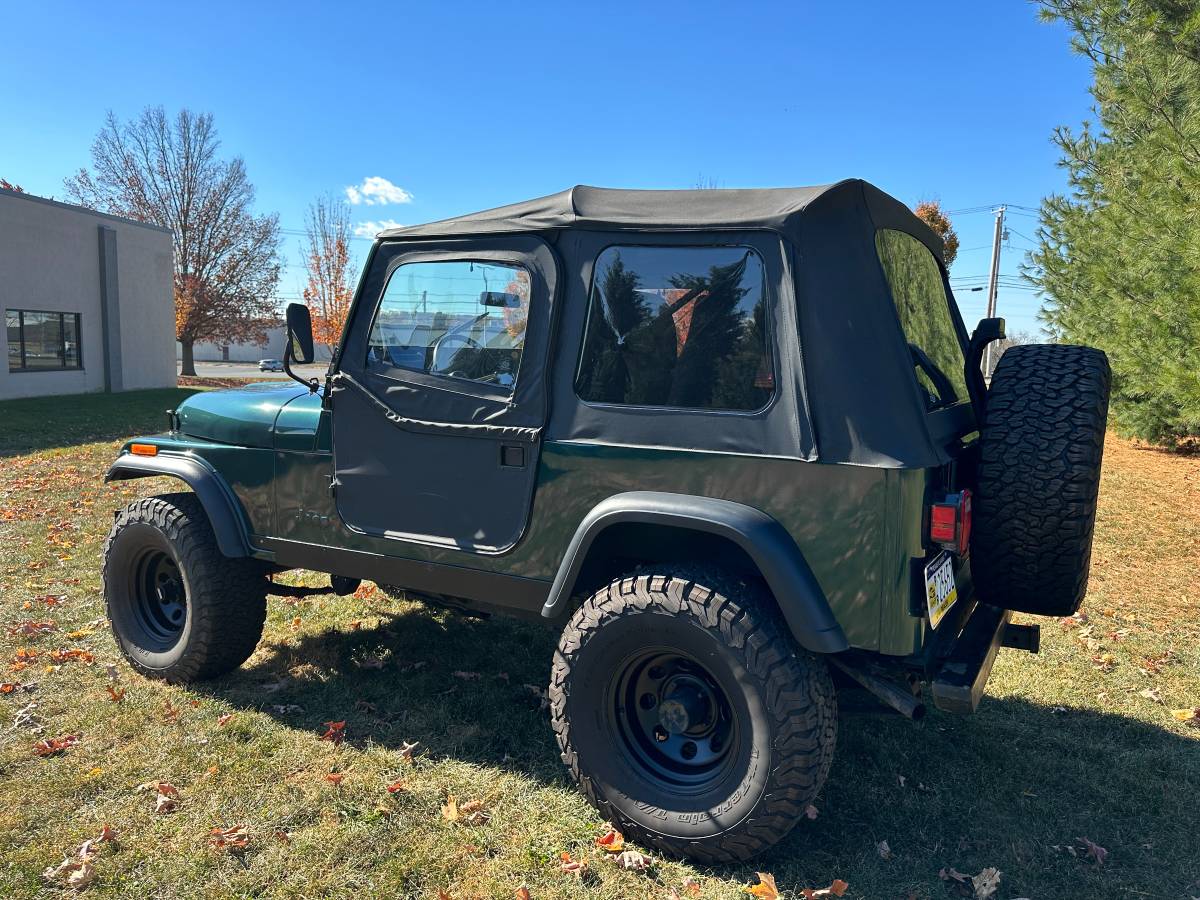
{"x":962,"y":676}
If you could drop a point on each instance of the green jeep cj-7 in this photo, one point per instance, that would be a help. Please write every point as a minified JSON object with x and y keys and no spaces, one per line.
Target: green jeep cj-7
{"x":734,"y":444}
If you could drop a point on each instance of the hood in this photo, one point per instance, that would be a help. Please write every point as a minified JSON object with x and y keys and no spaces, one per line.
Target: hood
{"x":242,"y":416}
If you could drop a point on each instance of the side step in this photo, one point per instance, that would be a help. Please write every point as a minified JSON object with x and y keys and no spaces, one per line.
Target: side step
{"x":960,"y":681}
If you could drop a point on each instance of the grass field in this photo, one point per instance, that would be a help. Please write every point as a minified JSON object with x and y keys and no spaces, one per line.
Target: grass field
{"x":1078,"y":742}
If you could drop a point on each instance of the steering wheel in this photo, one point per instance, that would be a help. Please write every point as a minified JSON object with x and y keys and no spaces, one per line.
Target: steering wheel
{"x":449,"y":339}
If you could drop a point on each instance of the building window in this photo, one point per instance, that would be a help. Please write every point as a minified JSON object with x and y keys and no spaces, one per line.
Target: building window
{"x":682,"y":327}
{"x":42,"y":341}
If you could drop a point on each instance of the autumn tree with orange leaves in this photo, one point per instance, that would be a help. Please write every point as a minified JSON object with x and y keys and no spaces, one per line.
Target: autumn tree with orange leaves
{"x":327,"y":261}
{"x":930,"y":212}
{"x":167,"y":172}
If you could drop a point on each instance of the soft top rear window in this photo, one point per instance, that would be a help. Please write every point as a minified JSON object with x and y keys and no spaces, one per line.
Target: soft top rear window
{"x":915,"y":279}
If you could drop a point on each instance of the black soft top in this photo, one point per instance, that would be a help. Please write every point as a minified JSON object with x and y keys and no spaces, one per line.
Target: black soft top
{"x":619,"y":209}
{"x":847,"y":389}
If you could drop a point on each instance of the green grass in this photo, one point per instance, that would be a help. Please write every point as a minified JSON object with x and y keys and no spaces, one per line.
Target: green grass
{"x":1059,"y":749}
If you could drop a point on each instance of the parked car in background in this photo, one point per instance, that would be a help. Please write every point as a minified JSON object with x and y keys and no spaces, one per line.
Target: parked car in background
{"x":270,"y":365}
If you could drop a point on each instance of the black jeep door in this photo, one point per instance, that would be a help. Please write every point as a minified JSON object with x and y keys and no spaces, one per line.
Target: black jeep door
{"x":439,"y":397}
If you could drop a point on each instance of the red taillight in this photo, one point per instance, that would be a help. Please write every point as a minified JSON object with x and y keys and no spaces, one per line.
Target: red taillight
{"x":950,"y":522}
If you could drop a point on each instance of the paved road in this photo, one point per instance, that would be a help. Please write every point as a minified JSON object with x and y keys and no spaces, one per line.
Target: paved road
{"x":250,"y":370}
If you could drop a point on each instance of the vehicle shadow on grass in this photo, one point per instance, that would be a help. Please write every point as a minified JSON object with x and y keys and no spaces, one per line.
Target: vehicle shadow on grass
{"x":1002,"y":788}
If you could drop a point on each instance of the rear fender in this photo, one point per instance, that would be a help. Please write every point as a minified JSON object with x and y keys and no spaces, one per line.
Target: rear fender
{"x":214,"y":494}
{"x":761,"y":538}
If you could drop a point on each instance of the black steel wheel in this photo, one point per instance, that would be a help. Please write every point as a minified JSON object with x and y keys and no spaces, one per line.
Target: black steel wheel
{"x":688,"y":715}
{"x":180,"y":610}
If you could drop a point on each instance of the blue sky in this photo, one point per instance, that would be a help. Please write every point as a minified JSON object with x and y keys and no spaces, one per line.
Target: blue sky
{"x":463,"y":106}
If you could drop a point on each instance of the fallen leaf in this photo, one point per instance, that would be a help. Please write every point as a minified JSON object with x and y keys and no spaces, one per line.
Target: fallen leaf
{"x":335,"y":778}
{"x":365,"y":706}
{"x":170,"y":711}
{"x":335,"y":732}
{"x":63,"y":655}
{"x":113,"y":673}
{"x":576,"y":867}
{"x":633,"y":861}
{"x":691,"y":886}
{"x":396,"y":787}
{"x":30,"y":629}
{"x":406,"y":750}
{"x":1093,"y":850}
{"x":837,"y":889}
{"x":282,"y":836}
{"x":466,"y":676}
{"x":224,"y":719}
{"x":165,"y":804}
{"x":765,"y":888}
{"x":1188,"y":716}
{"x":521,"y":893}
{"x":986,"y":883}
{"x":612,"y":841}
{"x":1105,"y":662}
{"x":115,"y":694}
{"x":52,"y":746}
{"x":471,"y":813}
{"x":885,"y":852}
{"x":811,"y":812}
{"x":233,"y":839}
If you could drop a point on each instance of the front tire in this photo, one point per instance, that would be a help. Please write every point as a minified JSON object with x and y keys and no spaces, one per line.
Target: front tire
{"x":688,"y":716}
{"x":180,"y":610}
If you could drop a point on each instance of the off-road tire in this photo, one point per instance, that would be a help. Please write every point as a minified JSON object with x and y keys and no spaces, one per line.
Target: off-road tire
{"x":1039,"y":476}
{"x":225,"y":599}
{"x":786,"y":742}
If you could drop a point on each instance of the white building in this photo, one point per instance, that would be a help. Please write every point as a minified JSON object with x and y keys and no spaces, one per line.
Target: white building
{"x":87,"y":300}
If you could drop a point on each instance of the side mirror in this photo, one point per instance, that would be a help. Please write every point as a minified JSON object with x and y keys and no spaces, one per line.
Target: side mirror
{"x":988,"y":330}
{"x":299,"y":334}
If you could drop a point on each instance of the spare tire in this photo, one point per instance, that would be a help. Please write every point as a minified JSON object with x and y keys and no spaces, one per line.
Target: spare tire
{"x":1039,"y":474}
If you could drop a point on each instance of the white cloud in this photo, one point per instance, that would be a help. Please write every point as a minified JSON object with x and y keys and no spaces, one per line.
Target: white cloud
{"x":377,"y":191}
{"x":372,"y":228}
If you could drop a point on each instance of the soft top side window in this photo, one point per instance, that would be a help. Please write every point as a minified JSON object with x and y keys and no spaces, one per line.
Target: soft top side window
{"x":457,"y":318}
{"x":921,"y":302}
{"x":673,"y":326}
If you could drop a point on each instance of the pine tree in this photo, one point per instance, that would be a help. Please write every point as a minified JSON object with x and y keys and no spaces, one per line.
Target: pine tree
{"x":1119,"y":256}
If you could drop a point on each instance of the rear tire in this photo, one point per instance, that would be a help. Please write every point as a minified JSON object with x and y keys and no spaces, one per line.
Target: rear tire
{"x":688,"y":716}
{"x":1041,"y":445}
{"x":180,"y":610}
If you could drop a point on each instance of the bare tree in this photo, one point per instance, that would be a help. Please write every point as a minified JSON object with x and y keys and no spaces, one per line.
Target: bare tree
{"x":327,"y":261}
{"x":154,"y":169}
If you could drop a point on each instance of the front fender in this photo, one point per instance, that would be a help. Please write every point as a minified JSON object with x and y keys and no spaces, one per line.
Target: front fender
{"x":762,"y":538}
{"x":214,"y":494}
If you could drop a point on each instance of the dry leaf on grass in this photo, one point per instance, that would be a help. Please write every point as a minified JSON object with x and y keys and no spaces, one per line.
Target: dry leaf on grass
{"x":1092,"y":850}
{"x":612,"y":841}
{"x":981,"y":887}
{"x":576,"y":867}
{"x":1188,"y":716}
{"x":691,"y":887}
{"x":811,"y":812}
{"x":170,"y":711}
{"x":406,"y":750}
{"x":632,"y":860}
{"x":30,"y":629}
{"x":521,"y":893}
{"x":233,"y":839}
{"x":471,"y":813}
{"x":466,"y":676}
{"x":77,"y":872}
{"x":224,"y":719}
{"x":115,"y":694}
{"x":765,"y":888}
{"x":335,"y":778}
{"x":335,"y":732}
{"x":837,"y":889}
{"x":885,"y":852}
{"x":1151,"y":694}
{"x":52,"y":746}
{"x":397,"y":786}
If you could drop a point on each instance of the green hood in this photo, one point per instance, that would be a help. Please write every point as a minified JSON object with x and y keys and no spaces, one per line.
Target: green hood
{"x":241,"y":416}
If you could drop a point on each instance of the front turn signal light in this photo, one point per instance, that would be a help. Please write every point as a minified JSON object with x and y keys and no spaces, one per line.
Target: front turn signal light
{"x":143,"y":449}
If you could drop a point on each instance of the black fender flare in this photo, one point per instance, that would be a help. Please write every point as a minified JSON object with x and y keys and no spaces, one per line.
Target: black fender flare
{"x":767,"y":543}
{"x":217,"y":498}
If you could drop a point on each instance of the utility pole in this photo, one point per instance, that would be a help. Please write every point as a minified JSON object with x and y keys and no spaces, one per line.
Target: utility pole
{"x":993,"y":280}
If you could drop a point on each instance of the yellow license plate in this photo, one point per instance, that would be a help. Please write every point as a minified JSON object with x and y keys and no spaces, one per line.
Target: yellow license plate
{"x":940,"y":590}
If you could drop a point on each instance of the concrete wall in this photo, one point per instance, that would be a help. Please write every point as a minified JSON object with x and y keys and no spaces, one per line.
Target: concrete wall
{"x":115,"y":273}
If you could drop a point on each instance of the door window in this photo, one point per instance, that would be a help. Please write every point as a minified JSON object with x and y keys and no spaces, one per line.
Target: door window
{"x":460,"y":319}
{"x":682,"y":327}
